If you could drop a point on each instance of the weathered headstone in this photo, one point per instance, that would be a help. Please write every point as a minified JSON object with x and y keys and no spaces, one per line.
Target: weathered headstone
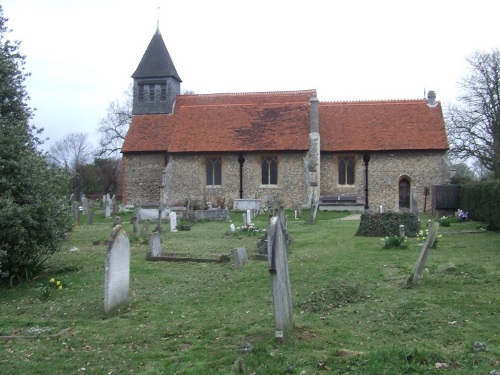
{"x":414,"y":201}
{"x":173,"y":221}
{"x":240,"y":257}
{"x":428,"y":244}
{"x":118,"y":220}
{"x":135,"y":223}
{"x":117,"y":271}
{"x":233,"y":228}
{"x":76,"y":212}
{"x":249,"y":217}
{"x":244,"y":219}
{"x":85,"y":205}
{"x":90,"y":217}
{"x":280,"y":278}
{"x":107,"y":208}
{"x":402,"y":232}
{"x":311,"y":219}
{"x":145,"y":228}
{"x":155,"y":245}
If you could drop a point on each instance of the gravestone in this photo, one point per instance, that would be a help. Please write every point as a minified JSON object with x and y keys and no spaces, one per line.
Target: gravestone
{"x":114,"y":205}
{"x":311,"y":219}
{"x":240,"y":257}
{"x":107,"y":209}
{"x":118,"y":220}
{"x":76,"y":212}
{"x":85,"y":205}
{"x":160,"y":214}
{"x":117,"y":271}
{"x":173,"y":221}
{"x":90,"y":217}
{"x":155,"y":245}
{"x":402,"y":232}
{"x":280,"y":278}
{"x":145,"y":228}
{"x":135,"y":223}
{"x":244,"y":219}
{"x":428,"y":244}
{"x":249,"y":217}
{"x":233,"y":228}
{"x":414,"y":201}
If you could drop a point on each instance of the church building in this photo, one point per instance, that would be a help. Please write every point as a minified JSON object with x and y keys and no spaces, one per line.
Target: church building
{"x":222,"y":148}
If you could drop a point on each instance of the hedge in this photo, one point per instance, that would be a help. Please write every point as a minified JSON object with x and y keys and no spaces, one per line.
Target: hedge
{"x":387,"y":224}
{"x":482,"y":201}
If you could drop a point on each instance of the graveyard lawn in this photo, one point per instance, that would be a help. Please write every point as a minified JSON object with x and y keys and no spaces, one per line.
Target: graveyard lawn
{"x":353,"y":313}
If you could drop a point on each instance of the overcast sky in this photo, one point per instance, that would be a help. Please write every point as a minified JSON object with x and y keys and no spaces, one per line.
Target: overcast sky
{"x":81,"y":53}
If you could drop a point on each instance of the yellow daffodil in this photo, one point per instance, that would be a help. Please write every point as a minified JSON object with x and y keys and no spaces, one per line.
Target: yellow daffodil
{"x":52,"y":280}
{"x":60,"y":287}
{"x":58,"y":283}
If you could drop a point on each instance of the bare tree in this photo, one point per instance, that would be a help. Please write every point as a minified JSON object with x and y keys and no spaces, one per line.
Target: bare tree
{"x":114,"y":127}
{"x":473,"y":123}
{"x":72,"y":153}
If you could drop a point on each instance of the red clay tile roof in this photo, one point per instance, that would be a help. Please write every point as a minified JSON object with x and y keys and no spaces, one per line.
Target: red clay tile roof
{"x":381,"y":125}
{"x":280,"y":121}
{"x":226,"y":122}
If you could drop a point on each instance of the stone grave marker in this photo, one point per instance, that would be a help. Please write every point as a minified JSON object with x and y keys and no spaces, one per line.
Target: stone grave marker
{"x":85,"y":205}
{"x":240,"y":257}
{"x":90,"y":217}
{"x":135,"y":222}
{"x":118,"y":220}
{"x":233,"y":228}
{"x":155,"y":245}
{"x":428,"y":244}
{"x":280,"y":278}
{"x":107,"y":208}
{"x":311,"y":219}
{"x":173,"y":221}
{"x":76,"y":212}
{"x":145,"y":228}
{"x":414,"y":201}
{"x":114,"y":205}
{"x":402,"y":232}
{"x":117,"y":271}
{"x":244,"y":219}
{"x":249,"y":217}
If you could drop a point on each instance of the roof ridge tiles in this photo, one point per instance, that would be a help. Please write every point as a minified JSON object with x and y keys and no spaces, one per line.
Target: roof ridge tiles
{"x":251,"y":93}
{"x":370,"y":101}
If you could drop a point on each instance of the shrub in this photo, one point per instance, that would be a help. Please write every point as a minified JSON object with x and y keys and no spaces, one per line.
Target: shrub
{"x":394,"y":242}
{"x":387,"y":224}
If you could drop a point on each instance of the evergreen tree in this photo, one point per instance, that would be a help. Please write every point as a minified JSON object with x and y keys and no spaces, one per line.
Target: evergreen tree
{"x":34,"y":215}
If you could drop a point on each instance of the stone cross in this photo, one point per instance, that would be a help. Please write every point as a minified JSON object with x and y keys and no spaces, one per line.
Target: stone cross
{"x":314,"y":210}
{"x":173,"y":221}
{"x":280,"y":279}
{"x":428,"y":244}
{"x":117,"y":271}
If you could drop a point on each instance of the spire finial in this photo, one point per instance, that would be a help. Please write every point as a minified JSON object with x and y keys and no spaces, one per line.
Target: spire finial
{"x":158,"y":17}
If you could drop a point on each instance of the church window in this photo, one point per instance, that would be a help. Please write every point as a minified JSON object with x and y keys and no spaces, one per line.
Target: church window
{"x":140,"y":93}
{"x":163,"y":92}
{"x":269,"y":171}
{"x":214,"y":172}
{"x":346,"y":171}
{"x":151,"y":93}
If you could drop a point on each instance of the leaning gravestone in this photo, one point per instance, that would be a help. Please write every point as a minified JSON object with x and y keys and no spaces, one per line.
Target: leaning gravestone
{"x":428,"y":244}
{"x":117,"y":271}
{"x":280,"y":278}
{"x":311,"y":219}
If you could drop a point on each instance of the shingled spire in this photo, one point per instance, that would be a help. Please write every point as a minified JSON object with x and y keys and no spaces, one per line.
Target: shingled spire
{"x":156,"y":82}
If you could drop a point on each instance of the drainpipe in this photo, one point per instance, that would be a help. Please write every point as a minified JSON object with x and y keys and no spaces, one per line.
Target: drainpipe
{"x":241,"y":160}
{"x":366,"y":159}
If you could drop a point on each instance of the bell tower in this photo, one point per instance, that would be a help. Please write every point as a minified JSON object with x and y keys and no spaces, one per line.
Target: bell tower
{"x":156,"y":82}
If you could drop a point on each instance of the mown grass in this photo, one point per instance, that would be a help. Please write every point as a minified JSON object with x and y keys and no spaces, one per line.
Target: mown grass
{"x":352,"y":311}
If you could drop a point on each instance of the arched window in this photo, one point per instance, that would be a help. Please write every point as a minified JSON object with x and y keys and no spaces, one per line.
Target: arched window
{"x":346,"y":171}
{"x":404,"y":193}
{"x":269,"y":171}
{"x":214,"y":172}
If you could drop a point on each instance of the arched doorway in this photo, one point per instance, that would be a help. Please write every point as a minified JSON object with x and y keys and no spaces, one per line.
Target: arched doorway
{"x":404,"y":194}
